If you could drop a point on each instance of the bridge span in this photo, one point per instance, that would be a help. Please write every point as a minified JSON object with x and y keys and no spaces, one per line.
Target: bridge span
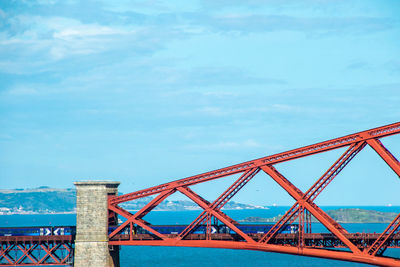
{"x":99,"y":207}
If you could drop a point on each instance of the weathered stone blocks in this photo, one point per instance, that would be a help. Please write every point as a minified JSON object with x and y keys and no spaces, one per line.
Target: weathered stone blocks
{"x":91,"y":243}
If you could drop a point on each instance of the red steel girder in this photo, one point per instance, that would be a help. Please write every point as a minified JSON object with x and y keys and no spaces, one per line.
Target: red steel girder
{"x":273,"y":159}
{"x":141,"y":213}
{"x":27,"y":253}
{"x":216,"y":205}
{"x":233,"y":189}
{"x":300,"y":233}
{"x":316,"y":189}
{"x":133,"y":219}
{"x":41,"y":250}
{"x":324,"y":218}
{"x":380,"y":243}
{"x":205,"y":205}
{"x":385,"y":155}
{"x":304,"y":202}
{"x":333,"y":171}
{"x":222,"y":200}
{"x":290,"y":213}
{"x":312,"y":252}
{"x":4,"y":253}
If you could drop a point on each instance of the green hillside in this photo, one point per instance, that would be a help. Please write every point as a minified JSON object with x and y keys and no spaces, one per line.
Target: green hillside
{"x":38,"y":200}
{"x":51,"y":200}
{"x":361,"y":216}
{"x":353,"y":215}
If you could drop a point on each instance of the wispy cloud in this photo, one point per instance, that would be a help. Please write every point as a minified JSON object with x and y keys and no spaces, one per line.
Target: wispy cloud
{"x":156,"y":81}
{"x":59,"y":36}
{"x":259,"y":23}
{"x":45,"y":40}
{"x":46,"y":35}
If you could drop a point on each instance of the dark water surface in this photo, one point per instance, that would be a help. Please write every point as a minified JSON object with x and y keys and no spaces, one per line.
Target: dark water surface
{"x":175,"y":256}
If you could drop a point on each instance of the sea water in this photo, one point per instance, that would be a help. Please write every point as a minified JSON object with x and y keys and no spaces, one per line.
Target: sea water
{"x":182,"y":256}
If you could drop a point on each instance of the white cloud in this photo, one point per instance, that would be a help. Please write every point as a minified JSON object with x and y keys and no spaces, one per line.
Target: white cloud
{"x":82,"y":31}
{"x":57,"y":37}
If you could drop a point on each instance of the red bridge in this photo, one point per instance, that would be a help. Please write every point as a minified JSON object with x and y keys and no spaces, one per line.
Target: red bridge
{"x":36,"y":250}
{"x":365,"y":248}
{"x":339,"y":244}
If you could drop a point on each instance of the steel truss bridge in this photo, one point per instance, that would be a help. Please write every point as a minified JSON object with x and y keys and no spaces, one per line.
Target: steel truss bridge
{"x":36,"y":250}
{"x":338,"y":244}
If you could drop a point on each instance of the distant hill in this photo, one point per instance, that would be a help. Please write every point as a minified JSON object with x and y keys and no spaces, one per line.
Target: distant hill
{"x":341,"y":216}
{"x":44,"y":200}
{"x":38,"y":200}
{"x":361,"y":216}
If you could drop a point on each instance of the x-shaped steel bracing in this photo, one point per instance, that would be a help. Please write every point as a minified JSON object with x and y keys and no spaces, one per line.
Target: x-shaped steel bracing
{"x":29,"y":253}
{"x":304,"y":201}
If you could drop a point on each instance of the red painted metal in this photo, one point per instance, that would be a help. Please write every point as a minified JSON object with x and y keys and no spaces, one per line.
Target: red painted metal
{"x":316,"y":189}
{"x":36,"y":250}
{"x":274,"y":159}
{"x":385,"y":154}
{"x":365,"y":248}
{"x":291,"y":215}
{"x":222,"y":200}
{"x":379,"y":246}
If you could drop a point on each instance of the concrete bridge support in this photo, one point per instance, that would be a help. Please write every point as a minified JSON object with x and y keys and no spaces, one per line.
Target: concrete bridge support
{"x":91,"y":243}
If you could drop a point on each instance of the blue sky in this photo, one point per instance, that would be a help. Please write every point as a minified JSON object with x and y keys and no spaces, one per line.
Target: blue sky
{"x":145,"y":92}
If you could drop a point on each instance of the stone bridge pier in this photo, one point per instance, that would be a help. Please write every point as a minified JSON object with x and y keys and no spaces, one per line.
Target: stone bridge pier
{"x":91,"y":242}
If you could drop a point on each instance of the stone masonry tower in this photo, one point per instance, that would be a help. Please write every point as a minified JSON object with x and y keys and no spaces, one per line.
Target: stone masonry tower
{"x":91,"y":243}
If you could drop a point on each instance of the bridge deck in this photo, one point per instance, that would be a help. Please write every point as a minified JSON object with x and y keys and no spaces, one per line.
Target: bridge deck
{"x":322,"y":240}
{"x":45,"y":238}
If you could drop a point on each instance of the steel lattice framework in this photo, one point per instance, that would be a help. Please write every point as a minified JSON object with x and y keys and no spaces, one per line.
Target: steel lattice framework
{"x":366,"y":249}
{"x":36,"y":250}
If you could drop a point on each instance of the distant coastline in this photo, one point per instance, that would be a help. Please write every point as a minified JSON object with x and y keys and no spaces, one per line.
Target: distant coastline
{"x":36,"y":213}
{"x":46,"y":200}
{"x":52,"y":201}
{"x":342,"y":215}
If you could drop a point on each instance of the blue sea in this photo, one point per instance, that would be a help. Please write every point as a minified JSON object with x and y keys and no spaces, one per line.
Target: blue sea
{"x":174,"y":256}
